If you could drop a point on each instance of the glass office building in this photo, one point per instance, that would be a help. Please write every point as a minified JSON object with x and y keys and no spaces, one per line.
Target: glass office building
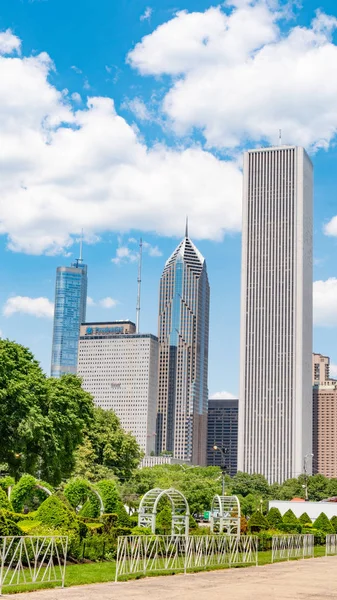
{"x":183,"y":355}
{"x":69,"y":313}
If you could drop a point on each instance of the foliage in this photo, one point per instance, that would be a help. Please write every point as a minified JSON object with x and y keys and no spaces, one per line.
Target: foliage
{"x":7,"y":526}
{"x":41,"y":420}
{"x":274,"y":518}
{"x":141,"y":530}
{"x":6,"y":482}
{"x":290,"y":523}
{"x":244,"y":484}
{"x":322,"y":523}
{"x":107,"y":450}
{"x":108,"y":491}
{"x":122,"y":516}
{"x":243,"y":525}
{"x":4,"y":502}
{"x":164,"y":521}
{"x":54,"y":513}
{"x":333,"y":522}
{"x":257,"y":522}
{"x":25,"y":493}
{"x":304,"y":519}
{"x":70,"y":410}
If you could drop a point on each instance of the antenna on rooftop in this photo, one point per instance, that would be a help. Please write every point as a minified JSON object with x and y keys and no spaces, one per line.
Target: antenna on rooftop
{"x":139,"y":283}
{"x":186,"y":228}
{"x":280,"y":136}
{"x":81,"y":247}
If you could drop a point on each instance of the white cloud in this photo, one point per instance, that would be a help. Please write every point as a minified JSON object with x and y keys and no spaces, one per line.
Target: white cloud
{"x":223,"y":396}
{"x":146,"y":16}
{"x":325,"y":302}
{"x":76,"y":97}
{"x":124,"y":254}
{"x":76,"y":69}
{"x":108,"y":302}
{"x":90,"y":301}
{"x":236,"y":76}
{"x":38,"y":307}
{"x":9,"y":42}
{"x":62,"y":169}
{"x":138,"y":108}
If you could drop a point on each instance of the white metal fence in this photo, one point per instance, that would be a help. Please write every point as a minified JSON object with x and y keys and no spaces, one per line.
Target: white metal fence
{"x":286,"y":547}
{"x":331,"y":544}
{"x":32,"y":559}
{"x":146,"y":554}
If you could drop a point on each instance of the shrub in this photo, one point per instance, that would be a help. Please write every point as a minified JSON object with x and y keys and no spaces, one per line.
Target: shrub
{"x":78,"y":493}
{"x":264,"y":540}
{"x":192,"y":523}
{"x":274,"y":518}
{"x":322,"y":523}
{"x":4,"y":502}
{"x":304,"y":519}
{"x":123,"y":517}
{"x":108,"y":491}
{"x":164,"y":521}
{"x":333,"y":522}
{"x":243,"y":525}
{"x":25,"y":492}
{"x":8,"y":527}
{"x":89,"y":510}
{"x":109,"y":521}
{"x":290,"y":523}
{"x":141,"y":531}
{"x":54,"y":513}
{"x":257,"y":522}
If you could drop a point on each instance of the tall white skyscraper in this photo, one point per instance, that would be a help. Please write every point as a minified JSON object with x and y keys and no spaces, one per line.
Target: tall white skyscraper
{"x":275,"y":406}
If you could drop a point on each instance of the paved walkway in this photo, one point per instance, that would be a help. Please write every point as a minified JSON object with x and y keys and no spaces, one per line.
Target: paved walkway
{"x":310,"y":579}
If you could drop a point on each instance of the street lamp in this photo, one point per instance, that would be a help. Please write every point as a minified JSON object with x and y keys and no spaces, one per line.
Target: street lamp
{"x":305,"y":469}
{"x":223,"y":451}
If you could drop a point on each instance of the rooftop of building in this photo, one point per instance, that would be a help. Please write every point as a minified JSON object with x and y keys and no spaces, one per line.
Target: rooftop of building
{"x":98,"y":323}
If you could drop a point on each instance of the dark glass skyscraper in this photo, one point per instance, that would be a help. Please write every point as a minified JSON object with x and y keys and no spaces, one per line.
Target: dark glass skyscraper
{"x":223,"y":432}
{"x":183,"y":355}
{"x":69,"y":313}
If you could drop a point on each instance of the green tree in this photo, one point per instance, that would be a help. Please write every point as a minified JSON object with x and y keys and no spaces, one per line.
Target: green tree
{"x":70,"y":410}
{"x":107,"y":449}
{"x":318,"y":487}
{"x":274,"y":518}
{"x":257,"y":522}
{"x":244,"y":484}
{"x":304,"y":519}
{"x":23,"y":393}
{"x":322,"y":523}
{"x":292,"y":488}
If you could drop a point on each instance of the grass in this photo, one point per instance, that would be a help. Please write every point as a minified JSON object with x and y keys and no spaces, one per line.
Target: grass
{"x":104,"y":572}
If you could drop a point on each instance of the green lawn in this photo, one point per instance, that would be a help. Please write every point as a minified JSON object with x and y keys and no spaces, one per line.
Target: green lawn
{"x":103,"y":572}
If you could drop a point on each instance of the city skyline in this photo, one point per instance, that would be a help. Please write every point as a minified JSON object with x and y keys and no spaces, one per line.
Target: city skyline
{"x":118,"y":139}
{"x":275,"y":399}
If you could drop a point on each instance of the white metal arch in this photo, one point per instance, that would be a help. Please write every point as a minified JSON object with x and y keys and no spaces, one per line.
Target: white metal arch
{"x":180,"y":510}
{"x":226,"y":515}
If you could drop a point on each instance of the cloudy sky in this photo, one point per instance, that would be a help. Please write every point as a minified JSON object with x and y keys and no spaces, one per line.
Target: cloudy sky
{"x":123,"y":117}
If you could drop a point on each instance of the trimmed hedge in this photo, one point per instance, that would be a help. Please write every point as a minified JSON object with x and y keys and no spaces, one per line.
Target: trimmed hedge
{"x":274,"y":518}
{"x":305,"y":519}
{"x":4,"y":502}
{"x":257,"y":522}
{"x":322,"y":523}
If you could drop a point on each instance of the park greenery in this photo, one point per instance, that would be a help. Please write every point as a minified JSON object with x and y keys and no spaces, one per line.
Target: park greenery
{"x":68,"y":468}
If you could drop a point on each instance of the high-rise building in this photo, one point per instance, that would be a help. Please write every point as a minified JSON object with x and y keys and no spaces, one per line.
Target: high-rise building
{"x":320,"y":368}
{"x":69,"y":313}
{"x":275,"y":401}
{"x":120,"y":369}
{"x":183,"y":355}
{"x":222,"y":431}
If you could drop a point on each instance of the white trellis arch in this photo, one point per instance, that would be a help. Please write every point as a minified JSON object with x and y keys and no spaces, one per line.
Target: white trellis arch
{"x":226,"y":515}
{"x":180,"y":510}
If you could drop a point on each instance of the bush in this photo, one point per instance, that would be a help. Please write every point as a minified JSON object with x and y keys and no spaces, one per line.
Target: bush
{"x":305,"y":519}
{"x":333,"y":522}
{"x":4,"y":502}
{"x":8,"y":527}
{"x":109,"y":521}
{"x":108,"y":491}
{"x":243,"y":525}
{"x":322,"y":523}
{"x":26,"y":492}
{"x":141,"y":531}
{"x":124,"y":519}
{"x":274,"y":518}
{"x":265,"y":540}
{"x":257,"y":522}
{"x":54,"y":513}
{"x":290,"y":523}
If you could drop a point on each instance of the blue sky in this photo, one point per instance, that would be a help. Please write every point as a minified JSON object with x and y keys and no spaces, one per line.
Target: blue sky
{"x":123,"y":117}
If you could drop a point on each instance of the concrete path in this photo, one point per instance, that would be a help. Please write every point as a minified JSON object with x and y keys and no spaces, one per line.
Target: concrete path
{"x":310,"y":579}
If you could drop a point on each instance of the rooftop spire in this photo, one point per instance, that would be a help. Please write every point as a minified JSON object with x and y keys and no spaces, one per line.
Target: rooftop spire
{"x":186,"y":228}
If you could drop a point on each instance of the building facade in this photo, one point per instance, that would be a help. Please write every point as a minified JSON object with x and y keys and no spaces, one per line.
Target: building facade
{"x":222,"y":431}
{"x":275,"y":406}
{"x":120,"y":369}
{"x":69,"y":313}
{"x":183,"y":355}
{"x":320,"y":369}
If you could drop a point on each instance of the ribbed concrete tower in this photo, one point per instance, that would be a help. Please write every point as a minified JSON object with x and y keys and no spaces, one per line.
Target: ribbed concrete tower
{"x":183,"y":355}
{"x":275,"y":403}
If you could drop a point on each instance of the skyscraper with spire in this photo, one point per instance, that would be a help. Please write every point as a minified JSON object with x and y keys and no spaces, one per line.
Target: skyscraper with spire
{"x":69,"y":312}
{"x":183,"y":354}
